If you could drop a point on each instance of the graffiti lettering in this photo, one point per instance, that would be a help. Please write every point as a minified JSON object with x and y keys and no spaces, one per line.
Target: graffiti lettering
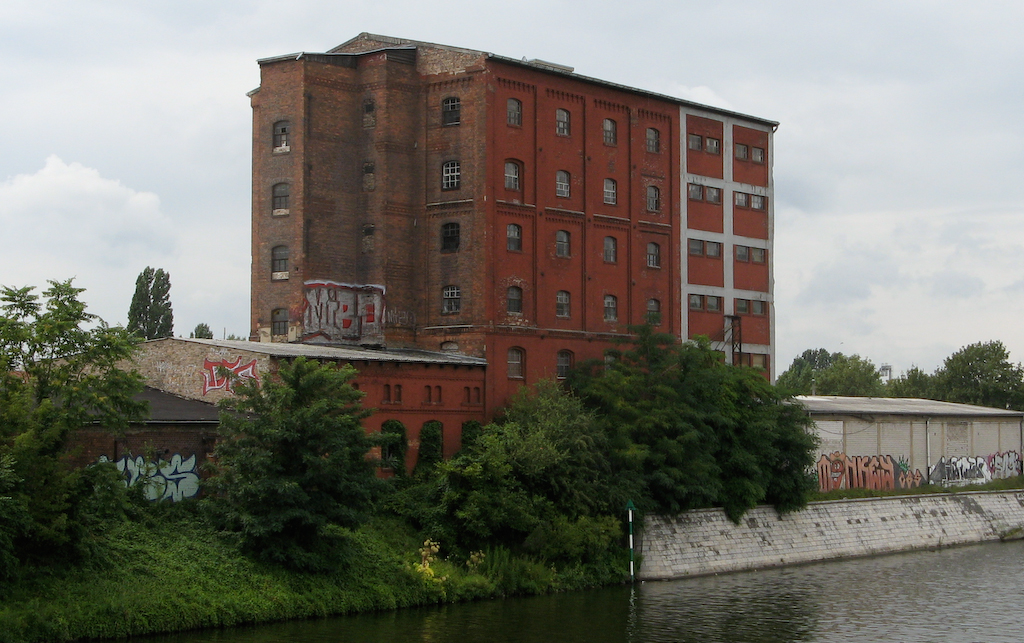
{"x":1004,"y":465}
{"x":174,"y":480}
{"x":957,"y":471}
{"x":214,"y":378}
{"x":348,"y":313}
{"x":840,"y":471}
{"x":399,"y":317}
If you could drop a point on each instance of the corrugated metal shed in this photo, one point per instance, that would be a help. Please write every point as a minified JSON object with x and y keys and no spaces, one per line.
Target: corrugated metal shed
{"x":839,"y":405}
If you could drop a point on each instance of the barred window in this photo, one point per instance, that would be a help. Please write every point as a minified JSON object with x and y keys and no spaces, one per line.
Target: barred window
{"x":451,"y":300}
{"x":562,"y":183}
{"x":512,"y":175}
{"x":450,"y":233}
{"x":609,"y":128}
{"x":653,"y":199}
{"x":563,"y":364}
{"x":562,"y":304}
{"x":515,"y":112}
{"x":611,"y":250}
{"x":611,"y":308}
{"x":516,"y":362}
{"x":653,"y":255}
{"x":451,"y":175}
{"x":451,"y":111}
{"x":562,"y":122}
{"x":653,"y":140}
{"x":514,"y":237}
{"x":514,"y":299}
{"x":610,"y":191}
{"x":562,"y":248}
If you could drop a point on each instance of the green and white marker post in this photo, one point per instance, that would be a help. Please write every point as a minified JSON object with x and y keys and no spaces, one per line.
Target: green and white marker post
{"x":630,"y":508}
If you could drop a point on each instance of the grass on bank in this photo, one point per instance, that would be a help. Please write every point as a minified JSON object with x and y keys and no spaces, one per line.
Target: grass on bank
{"x":1003,"y":484}
{"x":174,"y":573}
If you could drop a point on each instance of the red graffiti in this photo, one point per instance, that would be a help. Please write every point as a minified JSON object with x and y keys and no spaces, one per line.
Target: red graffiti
{"x":840,"y":471}
{"x":214,"y":378}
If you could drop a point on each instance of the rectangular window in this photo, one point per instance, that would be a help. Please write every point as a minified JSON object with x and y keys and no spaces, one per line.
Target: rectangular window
{"x":757,"y":202}
{"x":450,"y":175}
{"x":713,"y":249}
{"x":695,"y":142}
{"x":562,"y":184}
{"x":758,"y":307}
{"x":696,"y":302}
{"x":696,"y":247}
{"x":511,"y":175}
{"x":742,"y":306}
{"x":741,"y":152}
{"x":515,"y":112}
{"x":714,"y":304}
{"x":562,"y":122}
{"x":759,"y":360}
{"x":514,"y":237}
{"x":742,"y":253}
{"x":757,"y":155}
{"x":696,"y":192}
{"x":610,"y":191}
{"x":713,"y":195}
{"x":741,"y":199}
{"x":611,"y":308}
{"x":562,"y":303}
{"x":757,"y":255}
{"x":653,"y":140}
{"x":610,"y":133}
{"x":712,"y":145}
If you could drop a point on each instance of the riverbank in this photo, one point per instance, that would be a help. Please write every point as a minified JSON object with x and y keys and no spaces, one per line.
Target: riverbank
{"x":174,"y":574}
{"x":705,"y":542}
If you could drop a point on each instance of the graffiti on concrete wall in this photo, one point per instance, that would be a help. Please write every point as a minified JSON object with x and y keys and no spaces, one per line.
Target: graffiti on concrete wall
{"x":222,"y":374}
{"x":1004,"y":465}
{"x":347,"y":313}
{"x":840,"y":471}
{"x":172,"y":480}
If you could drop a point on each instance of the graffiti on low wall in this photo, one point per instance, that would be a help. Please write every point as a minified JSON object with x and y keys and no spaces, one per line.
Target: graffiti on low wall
{"x":840,"y":471}
{"x":222,"y":374}
{"x":172,"y":480}
{"x":964,"y":470}
{"x":1004,"y":464}
{"x":348,"y":313}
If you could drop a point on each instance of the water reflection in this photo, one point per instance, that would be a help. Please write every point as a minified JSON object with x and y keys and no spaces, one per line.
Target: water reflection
{"x":966,"y":594}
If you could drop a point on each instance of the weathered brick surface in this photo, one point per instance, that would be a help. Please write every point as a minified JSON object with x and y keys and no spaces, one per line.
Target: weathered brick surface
{"x":706,"y":542}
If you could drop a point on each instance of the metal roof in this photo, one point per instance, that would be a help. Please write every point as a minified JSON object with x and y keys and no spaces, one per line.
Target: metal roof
{"x":166,"y":407}
{"x":839,"y":405}
{"x":341,"y":353}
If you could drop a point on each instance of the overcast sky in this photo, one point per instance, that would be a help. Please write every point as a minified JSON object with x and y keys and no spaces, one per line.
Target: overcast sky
{"x":898,"y":163}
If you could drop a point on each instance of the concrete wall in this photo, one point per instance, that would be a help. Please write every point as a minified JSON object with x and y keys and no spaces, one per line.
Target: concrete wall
{"x":706,"y":542}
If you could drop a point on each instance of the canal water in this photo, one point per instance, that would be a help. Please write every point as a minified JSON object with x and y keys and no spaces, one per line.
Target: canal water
{"x":964,"y":594}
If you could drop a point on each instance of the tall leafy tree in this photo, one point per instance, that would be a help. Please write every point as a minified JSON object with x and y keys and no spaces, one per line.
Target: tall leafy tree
{"x":818,"y":372}
{"x":150,"y":315}
{"x":799,"y":378}
{"x":981,"y":374}
{"x":291,"y":470}
{"x":913,"y":383}
{"x":202,"y":331}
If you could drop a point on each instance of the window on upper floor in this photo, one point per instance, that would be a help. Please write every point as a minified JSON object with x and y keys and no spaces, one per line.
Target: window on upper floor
{"x":743,"y":253}
{"x":563,"y":304}
{"x":610,"y":133}
{"x":562,"y":122}
{"x":695,"y":142}
{"x":712,"y":145}
{"x":514,"y":114}
{"x":369,"y":112}
{"x":450,"y":233}
{"x":713,"y":304}
{"x":282,"y":133}
{"x":758,"y":202}
{"x":563,"y":364}
{"x":279,"y":321}
{"x":653,"y":140}
{"x":451,"y":111}
{"x":653,"y":311}
{"x":611,"y":189}
{"x":713,"y":195}
{"x":279,"y":262}
{"x":279,"y":200}
{"x":512,"y":174}
{"x":611,"y":250}
{"x":653,"y":255}
{"x":653,"y":199}
{"x":757,"y":155}
{"x":741,"y":199}
{"x":740,"y":151}
{"x":516,"y":362}
{"x":451,"y":300}
{"x":742,"y":306}
{"x":514,"y":300}
{"x":514,"y":237}
{"x":757,"y":255}
{"x":696,"y":247}
{"x":696,"y":302}
{"x":713,"y":249}
{"x":562,"y":184}
{"x":451,"y":175}
{"x":562,"y":248}
{"x":611,"y":308}
{"x":758,"y":307}
{"x":695,"y":192}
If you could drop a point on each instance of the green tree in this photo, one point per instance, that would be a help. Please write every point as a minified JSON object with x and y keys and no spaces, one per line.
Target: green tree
{"x":202,"y":331}
{"x":981,"y":374}
{"x":818,"y":372}
{"x":57,"y":375}
{"x":150,"y":315}
{"x":431,"y":450}
{"x":291,"y":470}
{"x":913,"y":383}
{"x":799,"y":378}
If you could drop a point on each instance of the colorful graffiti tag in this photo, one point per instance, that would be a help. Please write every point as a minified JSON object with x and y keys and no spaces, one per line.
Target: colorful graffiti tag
{"x":840,"y":471}
{"x":334,"y":312}
{"x":1004,"y":464}
{"x":172,"y":480}
{"x":221,"y":375}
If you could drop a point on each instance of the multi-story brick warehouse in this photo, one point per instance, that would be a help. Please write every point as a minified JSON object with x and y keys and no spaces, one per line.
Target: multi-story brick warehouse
{"x":502,"y":209}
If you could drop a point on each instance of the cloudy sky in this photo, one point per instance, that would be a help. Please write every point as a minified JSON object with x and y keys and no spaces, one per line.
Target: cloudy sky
{"x":899,"y":161}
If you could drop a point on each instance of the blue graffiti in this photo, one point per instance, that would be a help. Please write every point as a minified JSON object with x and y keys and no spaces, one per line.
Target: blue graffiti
{"x":172,"y":480}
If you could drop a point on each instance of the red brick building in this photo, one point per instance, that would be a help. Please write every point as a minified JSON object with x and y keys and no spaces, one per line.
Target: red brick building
{"x":417,"y":195}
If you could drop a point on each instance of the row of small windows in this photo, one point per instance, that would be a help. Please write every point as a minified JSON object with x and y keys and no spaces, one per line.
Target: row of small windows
{"x":713,"y":249}
{"x":392,"y":394}
{"x":713,"y":304}
{"x":563,"y":127}
{"x":742,"y":152}
{"x":754,"y":201}
{"x":752,"y":255}
{"x":563,"y":304}
{"x":517,"y":363}
{"x":697,"y":192}
{"x":563,"y":245}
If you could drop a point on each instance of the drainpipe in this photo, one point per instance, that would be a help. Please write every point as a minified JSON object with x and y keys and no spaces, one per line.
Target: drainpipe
{"x":928,"y":451}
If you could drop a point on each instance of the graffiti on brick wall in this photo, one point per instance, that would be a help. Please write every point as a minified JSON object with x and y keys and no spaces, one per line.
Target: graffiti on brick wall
{"x":840,"y":471}
{"x":346,"y":313}
{"x":222,"y":374}
{"x":174,"y":479}
{"x":1004,"y":465}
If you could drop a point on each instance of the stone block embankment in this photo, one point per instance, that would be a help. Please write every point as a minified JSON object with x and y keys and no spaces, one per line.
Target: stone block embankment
{"x":706,"y":542}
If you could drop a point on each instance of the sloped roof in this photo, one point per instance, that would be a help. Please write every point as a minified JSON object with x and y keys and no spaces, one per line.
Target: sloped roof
{"x":840,"y":405}
{"x":169,"y":408}
{"x":339,"y":353}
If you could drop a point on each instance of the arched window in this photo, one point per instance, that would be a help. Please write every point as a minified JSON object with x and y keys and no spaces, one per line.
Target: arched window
{"x":451,"y":111}
{"x":512,"y":172}
{"x":610,"y":134}
{"x":653,"y":199}
{"x":516,"y":362}
{"x":562,"y":248}
{"x":514,"y":300}
{"x":653,"y":255}
{"x":450,"y":237}
{"x":279,"y":321}
{"x":563,"y":363}
{"x":562,"y":304}
{"x":451,"y":299}
{"x":611,"y":249}
{"x":610,"y":191}
{"x":562,"y":183}
{"x":611,"y":308}
{"x":653,"y":311}
{"x":562,"y":122}
{"x":451,"y":173}
{"x":280,"y":193}
{"x":282,"y":132}
{"x":514,"y":237}
{"x":515,"y":112}
{"x":653,"y":140}
{"x":279,"y":261}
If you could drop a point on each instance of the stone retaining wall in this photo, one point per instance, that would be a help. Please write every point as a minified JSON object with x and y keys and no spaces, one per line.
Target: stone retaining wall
{"x":706,"y":542}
